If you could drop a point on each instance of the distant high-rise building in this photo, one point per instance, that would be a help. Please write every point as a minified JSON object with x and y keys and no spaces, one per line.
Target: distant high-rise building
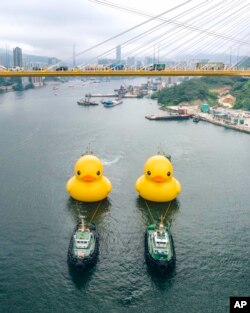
{"x":17,"y":57}
{"x":149,"y":60}
{"x":52,"y":61}
{"x":131,"y":61}
{"x":7,"y":58}
{"x":74,"y":55}
{"x":138,"y":63}
{"x":118,"y":53}
{"x":105,"y":61}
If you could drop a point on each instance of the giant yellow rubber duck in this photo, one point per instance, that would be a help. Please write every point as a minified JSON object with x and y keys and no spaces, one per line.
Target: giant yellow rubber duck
{"x":88,"y":184}
{"x":158,"y":184}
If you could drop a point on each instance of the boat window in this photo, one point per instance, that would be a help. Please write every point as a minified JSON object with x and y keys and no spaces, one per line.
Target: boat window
{"x":161,"y":252}
{"x":81,"y":241}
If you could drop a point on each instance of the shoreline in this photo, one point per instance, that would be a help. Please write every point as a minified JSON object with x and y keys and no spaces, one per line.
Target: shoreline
{"x":220,"y":122}
{"x":194,"y":111}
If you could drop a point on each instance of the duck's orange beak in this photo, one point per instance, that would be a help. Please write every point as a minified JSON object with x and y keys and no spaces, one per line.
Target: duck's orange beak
{"x":158,"y":179}
{"x":88,"y":178}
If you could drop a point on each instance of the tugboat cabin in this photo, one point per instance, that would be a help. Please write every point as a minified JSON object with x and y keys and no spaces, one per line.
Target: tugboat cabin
{"x":82,"y":239}
{"x":160,"y":242}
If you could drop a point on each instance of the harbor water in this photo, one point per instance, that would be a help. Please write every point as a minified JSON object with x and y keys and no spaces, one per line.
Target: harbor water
{"x":42,"y":134}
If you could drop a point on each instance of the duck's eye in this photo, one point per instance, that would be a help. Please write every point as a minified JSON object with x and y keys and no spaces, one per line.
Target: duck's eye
{"x":148,"y":172}
{"x":168,"y":173}
{"x":98,"y":173}
{"x":78,"y":173}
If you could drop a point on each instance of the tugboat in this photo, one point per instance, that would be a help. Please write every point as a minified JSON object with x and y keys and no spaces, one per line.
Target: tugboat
{"x":84,"y":246}
{"x":87,"y":101}
{"x":159,"y":248}
{"x":161,"y":152}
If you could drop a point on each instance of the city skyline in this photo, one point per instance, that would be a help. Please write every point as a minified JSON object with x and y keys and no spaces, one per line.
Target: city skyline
{"x":7,"y":59}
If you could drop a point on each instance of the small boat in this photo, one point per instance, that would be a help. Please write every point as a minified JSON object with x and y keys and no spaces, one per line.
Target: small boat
{"x":159,"y":248}
{"x":161,"y":152}
{"x":84,"y":246}
{"x":108,"y":103}
{"x":121,"y":91}
{"x":196,"y":119}
{"x":87,"y":102}
{"x":88,"y":151}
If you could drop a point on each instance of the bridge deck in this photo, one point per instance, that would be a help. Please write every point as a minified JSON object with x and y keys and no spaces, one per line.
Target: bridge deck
{"x":177,"y":72}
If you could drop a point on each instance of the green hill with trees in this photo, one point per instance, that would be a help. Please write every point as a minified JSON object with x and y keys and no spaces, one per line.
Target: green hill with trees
{"x":241,"y":90}
{"x":201,"y":89}
{"x":245,"y":63}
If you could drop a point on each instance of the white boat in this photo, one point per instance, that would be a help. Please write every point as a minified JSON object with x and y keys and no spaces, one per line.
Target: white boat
{"x":108,"y":103}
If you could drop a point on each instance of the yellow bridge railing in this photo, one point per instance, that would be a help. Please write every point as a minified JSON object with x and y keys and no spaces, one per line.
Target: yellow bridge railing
{"x":125,"y":72}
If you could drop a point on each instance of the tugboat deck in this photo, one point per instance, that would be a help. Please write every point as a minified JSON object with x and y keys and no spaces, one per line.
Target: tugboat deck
{"x":160,"y":245}
{"x":82,"y":235}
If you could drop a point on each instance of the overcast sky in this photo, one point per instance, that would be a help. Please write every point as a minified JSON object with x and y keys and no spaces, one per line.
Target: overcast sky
{"x":52,"y":27}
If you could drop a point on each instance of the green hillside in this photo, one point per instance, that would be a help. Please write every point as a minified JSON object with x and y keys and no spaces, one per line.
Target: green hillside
{"x":241,"y":91}
{"x":200,"y":89}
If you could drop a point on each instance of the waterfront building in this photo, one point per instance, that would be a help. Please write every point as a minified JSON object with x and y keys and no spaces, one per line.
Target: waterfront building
{"x":17,"y":57}
{"x":7,"y":58}
{"x":25,"y":81}
{"x":37,"y":81}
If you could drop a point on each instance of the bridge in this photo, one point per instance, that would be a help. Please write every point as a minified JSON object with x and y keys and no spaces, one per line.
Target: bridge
{"x":126,"y":72}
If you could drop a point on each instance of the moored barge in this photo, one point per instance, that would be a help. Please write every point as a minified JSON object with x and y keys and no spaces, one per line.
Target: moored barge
{"x":168,"y":117}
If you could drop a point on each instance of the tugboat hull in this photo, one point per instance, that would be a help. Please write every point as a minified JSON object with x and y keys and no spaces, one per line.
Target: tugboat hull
{"x":159,"y":265}
{"x":81,"y":264}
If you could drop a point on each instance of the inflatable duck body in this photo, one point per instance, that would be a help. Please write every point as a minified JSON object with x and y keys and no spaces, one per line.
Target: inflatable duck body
{"x":158,"y":184}
{"x":88,"y":184}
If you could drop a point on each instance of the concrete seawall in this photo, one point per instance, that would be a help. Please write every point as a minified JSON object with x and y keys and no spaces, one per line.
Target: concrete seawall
{"x":221,"y":122}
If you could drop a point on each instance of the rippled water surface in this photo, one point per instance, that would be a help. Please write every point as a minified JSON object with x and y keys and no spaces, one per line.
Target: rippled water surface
{"x":41,"y":137}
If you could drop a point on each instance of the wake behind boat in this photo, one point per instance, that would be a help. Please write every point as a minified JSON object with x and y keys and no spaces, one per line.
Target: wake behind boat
{"x":84,"y":246}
